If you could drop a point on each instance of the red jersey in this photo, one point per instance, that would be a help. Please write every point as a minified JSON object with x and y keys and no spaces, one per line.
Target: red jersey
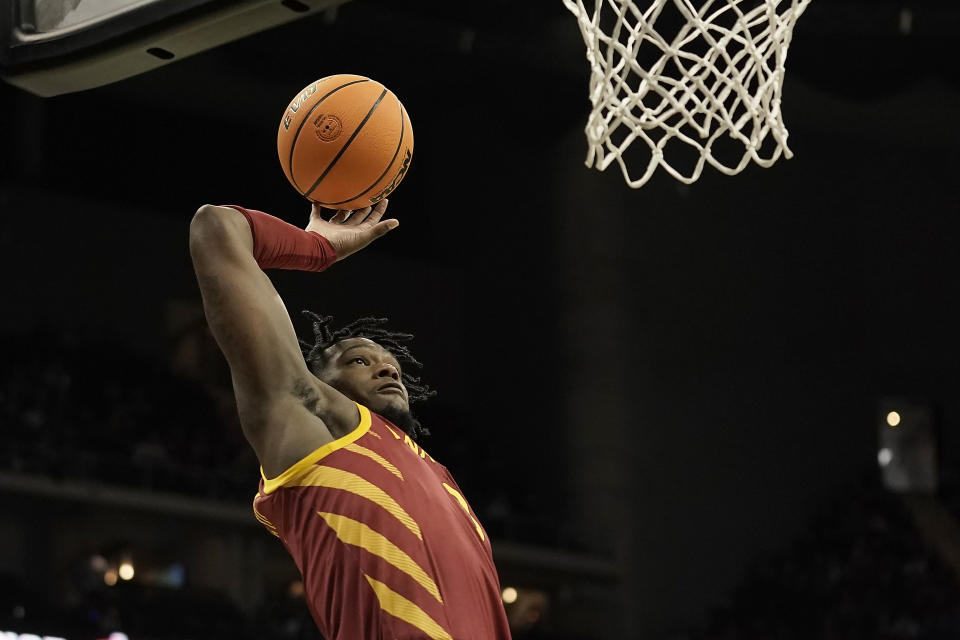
{"x":387,"y":545}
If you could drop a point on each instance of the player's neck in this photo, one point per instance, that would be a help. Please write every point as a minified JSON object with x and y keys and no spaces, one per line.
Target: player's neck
{"x":404,"y":420}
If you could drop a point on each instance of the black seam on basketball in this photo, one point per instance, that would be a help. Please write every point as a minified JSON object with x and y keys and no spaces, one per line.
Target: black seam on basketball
{"x":344,"y":147}
{"x":293,"y":145}
{"x":390,"y":164}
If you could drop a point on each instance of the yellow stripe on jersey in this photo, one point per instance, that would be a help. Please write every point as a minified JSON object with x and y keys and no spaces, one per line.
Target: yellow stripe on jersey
{"x":376,"y":457}
{"x":398,"y":606}
{"x":393,"y":432}
{"x":259,"y":516}
{"x":322,"y":476}
{"x":264,"y":522}
{"x":360,"y":535}
{"x":262,"y":519}
{"x":285,"y":478}
{"x":466,"y":507}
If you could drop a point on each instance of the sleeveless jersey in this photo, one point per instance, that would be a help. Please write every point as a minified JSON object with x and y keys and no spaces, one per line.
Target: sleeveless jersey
{"x":385,"y":541}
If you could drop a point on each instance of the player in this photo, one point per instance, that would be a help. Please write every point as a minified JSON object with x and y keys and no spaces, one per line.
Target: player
{"x":385,"y":541}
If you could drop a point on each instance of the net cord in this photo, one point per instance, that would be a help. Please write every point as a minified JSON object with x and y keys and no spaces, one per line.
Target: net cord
{"x":687,"y":97}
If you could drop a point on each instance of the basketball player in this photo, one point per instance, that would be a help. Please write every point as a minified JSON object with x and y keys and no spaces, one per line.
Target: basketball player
{"x":387,"y":545}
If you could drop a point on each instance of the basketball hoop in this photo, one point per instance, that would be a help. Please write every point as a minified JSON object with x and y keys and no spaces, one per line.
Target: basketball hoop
{"x":714,"y":75}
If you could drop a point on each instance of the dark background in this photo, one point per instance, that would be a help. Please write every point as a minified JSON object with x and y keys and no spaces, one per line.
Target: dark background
{"x":671,"y":380}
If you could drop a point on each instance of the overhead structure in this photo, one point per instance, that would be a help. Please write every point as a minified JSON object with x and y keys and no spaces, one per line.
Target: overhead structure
{"x":52,"y":47}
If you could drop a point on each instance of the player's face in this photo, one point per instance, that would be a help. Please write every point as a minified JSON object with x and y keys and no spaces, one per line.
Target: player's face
{"x":366,"y":373}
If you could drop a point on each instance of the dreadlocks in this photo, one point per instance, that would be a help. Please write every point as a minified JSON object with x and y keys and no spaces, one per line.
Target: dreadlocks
{"x":372,"y":329}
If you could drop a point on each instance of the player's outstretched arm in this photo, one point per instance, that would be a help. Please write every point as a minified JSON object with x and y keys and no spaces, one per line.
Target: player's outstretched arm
{"x":285,"y":411}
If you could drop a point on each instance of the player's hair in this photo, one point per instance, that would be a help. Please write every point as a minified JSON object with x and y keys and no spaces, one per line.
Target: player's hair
{"x":372,"y":329}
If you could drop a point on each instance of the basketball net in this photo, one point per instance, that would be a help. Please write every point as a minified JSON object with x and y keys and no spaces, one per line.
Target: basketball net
{"x":721,"y":74}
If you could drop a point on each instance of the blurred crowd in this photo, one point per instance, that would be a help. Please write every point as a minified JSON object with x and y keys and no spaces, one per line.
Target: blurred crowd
{"x":861,"y":571}
{"x":151,"y":613}
{"x":93,"y":411}
{"x":90,"y":410}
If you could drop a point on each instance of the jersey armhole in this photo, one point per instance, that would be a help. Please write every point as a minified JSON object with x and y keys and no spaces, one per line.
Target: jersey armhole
{"x":272,"y":484}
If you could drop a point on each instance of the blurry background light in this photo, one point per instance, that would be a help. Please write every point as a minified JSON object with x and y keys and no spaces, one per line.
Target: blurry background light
{"x":296,"y":589}
{"x":509,"y":595}
{"x":907,"y":429}
{"x":98,"y":563}
{"x":884,"y":456}
{"x":126,"y":571}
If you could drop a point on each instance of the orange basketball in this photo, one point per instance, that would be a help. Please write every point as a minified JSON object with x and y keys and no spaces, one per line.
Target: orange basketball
{"x":345,"y":142}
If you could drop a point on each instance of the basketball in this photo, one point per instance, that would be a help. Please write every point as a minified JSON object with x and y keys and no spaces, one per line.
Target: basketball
{"x":345,"y":142}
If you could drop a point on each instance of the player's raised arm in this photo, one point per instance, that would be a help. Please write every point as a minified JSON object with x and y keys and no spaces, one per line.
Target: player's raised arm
{"x":284,"y":410}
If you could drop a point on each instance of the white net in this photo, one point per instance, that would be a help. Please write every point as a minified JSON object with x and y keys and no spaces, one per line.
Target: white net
{"x":686,"y":80}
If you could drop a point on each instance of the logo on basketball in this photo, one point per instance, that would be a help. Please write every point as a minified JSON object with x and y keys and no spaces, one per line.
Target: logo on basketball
{"x":393,"y":185}
{"x":328,"y":127}
{"x":300,"y":99}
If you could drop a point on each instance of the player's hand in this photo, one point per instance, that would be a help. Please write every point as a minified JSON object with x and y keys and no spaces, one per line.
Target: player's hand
{"x":350,"y":231}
